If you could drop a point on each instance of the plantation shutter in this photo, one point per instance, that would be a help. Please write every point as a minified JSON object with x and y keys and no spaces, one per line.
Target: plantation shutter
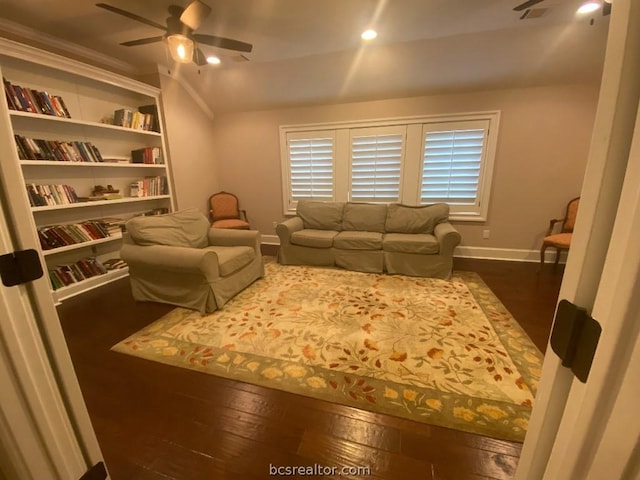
{"x":452,"y":162}
{"x":376,"y":160}
{"x":311,"y":165}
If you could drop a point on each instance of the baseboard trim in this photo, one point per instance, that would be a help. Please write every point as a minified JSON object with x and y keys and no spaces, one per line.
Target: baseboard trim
{"x":480,"y":253}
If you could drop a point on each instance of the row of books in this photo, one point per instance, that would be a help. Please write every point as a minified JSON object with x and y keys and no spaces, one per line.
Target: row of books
{"x":34,"y":101}
{"x":143,"y":119}
{"x":148,"y":155}
{"x":64,"y":275}
{"x":150,"y":187}
{"x":43,"y":195}
{"x":54,"y":150}
{"x":56,"y":236}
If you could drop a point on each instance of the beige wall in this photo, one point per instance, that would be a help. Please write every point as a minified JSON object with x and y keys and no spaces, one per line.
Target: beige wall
{"x":191,"y":147}
{"x":541,"y":155}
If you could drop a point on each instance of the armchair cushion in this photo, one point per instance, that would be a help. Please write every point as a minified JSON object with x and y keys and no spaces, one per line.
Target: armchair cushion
{"x":187,"y":228}
{"x":406,"y":219}
{"x":232,"y":259}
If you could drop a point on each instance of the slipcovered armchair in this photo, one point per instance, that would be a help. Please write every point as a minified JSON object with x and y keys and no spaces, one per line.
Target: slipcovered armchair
{"x":178,"y":259}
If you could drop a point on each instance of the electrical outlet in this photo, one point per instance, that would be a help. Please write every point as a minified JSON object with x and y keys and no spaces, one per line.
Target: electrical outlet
{"x":274,"y":224}
{"x":485,"y":234}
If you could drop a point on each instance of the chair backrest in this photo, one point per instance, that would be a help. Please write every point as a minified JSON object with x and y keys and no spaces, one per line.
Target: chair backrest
{"x":224,"y":205}
{"x":570,"y":215}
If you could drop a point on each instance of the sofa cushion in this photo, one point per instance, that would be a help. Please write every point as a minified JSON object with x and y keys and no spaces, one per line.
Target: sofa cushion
{"x":352,"y":240}
{"x":423,"y":243}
{"x":406,"y":219}
{"x":232,"y":259}
{"x":366,"y":217}
{"x":310,"y":237}
{"x":320,"y":215}
{"x":186,"y":228}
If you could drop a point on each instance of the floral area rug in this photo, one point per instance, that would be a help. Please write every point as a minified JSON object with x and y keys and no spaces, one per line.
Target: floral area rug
{"x":442,"y":352}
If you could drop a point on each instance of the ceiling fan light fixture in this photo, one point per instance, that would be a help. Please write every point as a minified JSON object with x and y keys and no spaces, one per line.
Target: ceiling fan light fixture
{"x":213,"y":60}
{"x":180,"y":47}
{"x":588,"y":7}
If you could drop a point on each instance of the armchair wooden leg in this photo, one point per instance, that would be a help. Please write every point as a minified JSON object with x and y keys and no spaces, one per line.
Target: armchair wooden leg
{"x":555,"y":264}
{"x":542,"y":250}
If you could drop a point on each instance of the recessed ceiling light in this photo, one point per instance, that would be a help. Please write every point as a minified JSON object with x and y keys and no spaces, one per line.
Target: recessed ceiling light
{"x":213,"y":60}
{"x":588,"y":7}
{"x":369,"y":34}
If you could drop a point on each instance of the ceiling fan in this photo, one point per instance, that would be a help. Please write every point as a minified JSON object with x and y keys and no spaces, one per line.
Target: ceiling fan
{"x":606,"y":6}
{"x":182,"y":41}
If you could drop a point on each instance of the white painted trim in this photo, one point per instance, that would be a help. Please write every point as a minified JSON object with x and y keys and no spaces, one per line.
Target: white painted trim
{"x":171,"y":73}
{"x":74,"y":49}
{"x":30,"y":54}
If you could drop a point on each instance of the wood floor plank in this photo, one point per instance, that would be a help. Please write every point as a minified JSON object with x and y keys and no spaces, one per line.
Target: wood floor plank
{"x":158,"y":422}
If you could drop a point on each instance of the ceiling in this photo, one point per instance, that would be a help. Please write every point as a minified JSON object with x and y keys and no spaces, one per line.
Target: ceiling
{"x":309,"y":51}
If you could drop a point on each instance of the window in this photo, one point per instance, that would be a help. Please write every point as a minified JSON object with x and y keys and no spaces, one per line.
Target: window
{"x":310,"y":156}
{"x":414,"y":160}
{"x":453,"y":159}
{"x":376,"y":160}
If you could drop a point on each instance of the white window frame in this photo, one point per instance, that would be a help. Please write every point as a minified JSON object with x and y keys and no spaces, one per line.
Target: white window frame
{"x":411,"y":169}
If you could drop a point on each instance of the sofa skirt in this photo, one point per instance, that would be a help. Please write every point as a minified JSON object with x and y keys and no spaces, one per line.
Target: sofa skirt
{"x":369,"y":261}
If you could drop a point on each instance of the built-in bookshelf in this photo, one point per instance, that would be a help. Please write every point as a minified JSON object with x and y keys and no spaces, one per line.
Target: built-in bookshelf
{"x":73,"y":169}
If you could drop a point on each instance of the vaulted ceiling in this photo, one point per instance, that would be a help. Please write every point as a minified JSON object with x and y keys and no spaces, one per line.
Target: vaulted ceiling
{"x":310,"y":51}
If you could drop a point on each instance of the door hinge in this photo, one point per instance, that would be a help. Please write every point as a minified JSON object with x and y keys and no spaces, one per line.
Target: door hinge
{"x":574,"y":338}
{"x":97,"y":472}
{"x":20,"y":267}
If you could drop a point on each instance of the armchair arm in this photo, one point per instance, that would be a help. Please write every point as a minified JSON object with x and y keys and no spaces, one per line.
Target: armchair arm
{"x":448,"y":237}
{"x":552,"y":224}
{"x":175,"y":259}
{"x":287,"y":227}
{"x":231,"y":238}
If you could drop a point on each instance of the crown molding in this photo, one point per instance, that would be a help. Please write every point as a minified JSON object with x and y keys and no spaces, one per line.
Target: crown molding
{"x":9,"y":28}
{"x":171,"y":73}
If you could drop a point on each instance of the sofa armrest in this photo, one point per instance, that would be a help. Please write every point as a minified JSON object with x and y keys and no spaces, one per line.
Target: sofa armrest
{"x":174,"y":259}
{"x":285,"y":228}
{"x":448,"y":238}
{"x":232,"y":238}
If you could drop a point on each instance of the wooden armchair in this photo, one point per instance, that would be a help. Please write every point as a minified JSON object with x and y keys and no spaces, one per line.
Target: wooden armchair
{"x":561,"y":240}
{"x":224,"y":212}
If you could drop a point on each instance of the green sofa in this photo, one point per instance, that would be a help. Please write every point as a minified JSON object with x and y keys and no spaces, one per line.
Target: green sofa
{"x":367,"y":237}
{"x":178,"y":259}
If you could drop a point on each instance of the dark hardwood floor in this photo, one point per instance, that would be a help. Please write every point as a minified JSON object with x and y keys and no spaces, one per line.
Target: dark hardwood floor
{"x":156,"y":422}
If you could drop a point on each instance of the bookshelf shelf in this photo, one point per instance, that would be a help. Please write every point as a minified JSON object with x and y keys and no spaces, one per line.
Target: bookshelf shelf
{"x":39,"y":117}
{"x":98,"y":203}
{"x":74,"y":289}
{"x":91,"y":97}
{"x":76,"y":246}
{"x":50,"y":163}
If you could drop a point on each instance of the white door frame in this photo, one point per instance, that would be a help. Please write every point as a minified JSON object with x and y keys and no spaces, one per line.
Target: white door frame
{"x":45,"y":430}
{"x":551,"y":450}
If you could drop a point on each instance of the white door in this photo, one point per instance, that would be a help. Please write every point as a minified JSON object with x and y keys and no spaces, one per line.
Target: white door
{"x":570,"y":418}
{"x":45,"y":432}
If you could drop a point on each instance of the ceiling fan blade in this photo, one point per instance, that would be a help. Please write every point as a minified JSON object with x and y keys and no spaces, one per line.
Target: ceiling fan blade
{"x":195,"y":13}
{"x":527,"y":4}
{"x":199,"y":57}
{"x":130,"y":15}
{"x":143,"y":41}
{"x":222,"y":42}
